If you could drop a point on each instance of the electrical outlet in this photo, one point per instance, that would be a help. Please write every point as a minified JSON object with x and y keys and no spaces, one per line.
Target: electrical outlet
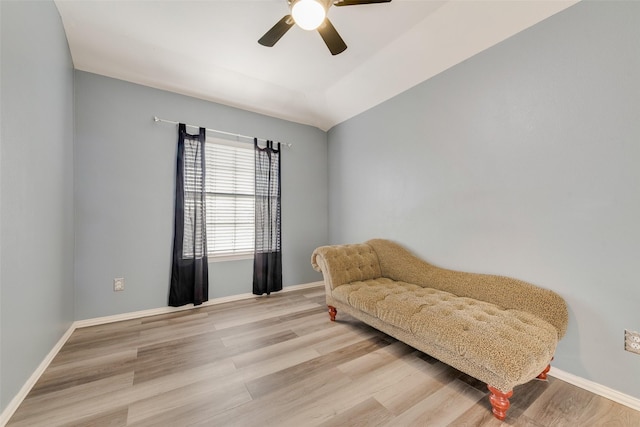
{"x":118,"y":284}
{"x":632,"y":341}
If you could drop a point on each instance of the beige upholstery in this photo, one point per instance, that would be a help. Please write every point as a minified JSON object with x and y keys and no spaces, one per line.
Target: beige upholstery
{"x":497,"y":329}
{"x":349,"y":263}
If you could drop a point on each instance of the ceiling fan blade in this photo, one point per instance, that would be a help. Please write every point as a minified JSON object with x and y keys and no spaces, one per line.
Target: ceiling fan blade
{"x":357,"y":2}
{"x":276,"y":32}
{"x":331,"y":37}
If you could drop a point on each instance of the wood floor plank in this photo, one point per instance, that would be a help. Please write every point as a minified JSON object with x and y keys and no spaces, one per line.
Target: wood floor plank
{"x":168,"y":332}
{"x":194,"y":412}
{"x":271,"y":382}
{"x":392,"y":375}
{"x":256,"y":317}
{"x":158,"y":360}
{"x":566,"y":403}
{"x":103,"y":344}
{"x":369,"y":413}
{"x":440,"y":408}
{"x":79,"y":409}
{"x":276,"y":364}
{"x":339,"y":341}
{"x":224,"y":393}
{"x":481,"y":414}
{"x":282,"y":349}
{"x":175,"y":316}
{"x":292,"y":403}
{"x":85,"y":371}
{"x":313,"y":323}
{"x":614,"y":413}
{"x":278,"y":361}
{"x":523,"y":421}
{"x":414,"y":388}
{"x":318,"y":292}
{"x":290,"y":322}
{"x":112,"y":418}
{"x":382,"y":357}
{"x":273,"y":409}
{"x":560,"y":402}
{"x":45,"y":403}
{"x":255,"y":306}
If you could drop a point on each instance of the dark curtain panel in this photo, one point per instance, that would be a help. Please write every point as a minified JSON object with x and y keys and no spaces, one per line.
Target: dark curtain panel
{"x":190,"y":270}
{"x":267,"y":261}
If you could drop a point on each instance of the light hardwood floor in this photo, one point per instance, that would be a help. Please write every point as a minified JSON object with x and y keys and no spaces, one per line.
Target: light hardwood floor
{"x":278,"y":361}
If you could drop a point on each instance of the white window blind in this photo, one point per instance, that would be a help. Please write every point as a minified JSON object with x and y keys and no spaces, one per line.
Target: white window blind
{"x":230,"y":198}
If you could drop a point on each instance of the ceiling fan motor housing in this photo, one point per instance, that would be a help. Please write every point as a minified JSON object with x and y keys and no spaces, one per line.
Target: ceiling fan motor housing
{"x":322,"y":24}
{"x":309,"y":14}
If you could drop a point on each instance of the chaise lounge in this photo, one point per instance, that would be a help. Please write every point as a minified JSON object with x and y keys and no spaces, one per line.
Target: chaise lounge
{"x":499,"y":330}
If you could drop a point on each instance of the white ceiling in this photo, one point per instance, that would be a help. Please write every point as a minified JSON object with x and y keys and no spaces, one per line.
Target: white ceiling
{"x":208,"y":49}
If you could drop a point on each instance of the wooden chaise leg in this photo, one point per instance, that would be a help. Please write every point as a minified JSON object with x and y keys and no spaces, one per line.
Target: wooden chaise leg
{"x":543,"y":374}
{"x":332,"y":313}
{"x":499,"y":402}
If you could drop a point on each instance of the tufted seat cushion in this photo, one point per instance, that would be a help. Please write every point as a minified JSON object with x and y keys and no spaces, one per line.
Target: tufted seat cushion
{"x":507,"y":342}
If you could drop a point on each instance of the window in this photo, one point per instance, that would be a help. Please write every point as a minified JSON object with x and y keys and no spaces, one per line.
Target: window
{"x":230,"y":198}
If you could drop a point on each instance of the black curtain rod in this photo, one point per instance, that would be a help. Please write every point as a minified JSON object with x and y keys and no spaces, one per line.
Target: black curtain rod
{"x":157,"y":119}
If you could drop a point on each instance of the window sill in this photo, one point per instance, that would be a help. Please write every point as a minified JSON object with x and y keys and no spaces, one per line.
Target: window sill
{"x":232,"y":257}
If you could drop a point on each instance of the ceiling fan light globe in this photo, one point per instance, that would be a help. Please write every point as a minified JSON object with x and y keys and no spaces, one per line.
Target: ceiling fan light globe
{"x":308,"y":14}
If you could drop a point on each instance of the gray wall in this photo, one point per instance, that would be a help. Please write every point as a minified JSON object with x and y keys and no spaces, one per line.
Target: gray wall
{"x":521,"y":161}
{"x":36,"y":193}
{"x":125,"y":167}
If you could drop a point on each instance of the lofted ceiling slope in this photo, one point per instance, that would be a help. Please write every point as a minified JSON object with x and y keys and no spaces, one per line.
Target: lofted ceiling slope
{"x":208,"y":49}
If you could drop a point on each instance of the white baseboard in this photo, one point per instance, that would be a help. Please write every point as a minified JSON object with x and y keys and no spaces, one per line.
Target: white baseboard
{"x":595,"y":388}
{"x":11,"y":408}
{"x":164,"y":310}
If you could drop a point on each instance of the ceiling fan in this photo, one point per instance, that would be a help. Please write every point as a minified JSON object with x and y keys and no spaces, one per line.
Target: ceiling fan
{"x":312,"y":15}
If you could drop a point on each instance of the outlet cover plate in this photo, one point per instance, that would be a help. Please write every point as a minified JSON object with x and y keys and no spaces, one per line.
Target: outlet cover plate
{"x":632,"y":341}
{"x":118,"y":284}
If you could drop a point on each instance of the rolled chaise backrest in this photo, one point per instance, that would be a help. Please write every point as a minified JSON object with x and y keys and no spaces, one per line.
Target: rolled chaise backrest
{"x":343,"y":264}
{"x":397,"y":263}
